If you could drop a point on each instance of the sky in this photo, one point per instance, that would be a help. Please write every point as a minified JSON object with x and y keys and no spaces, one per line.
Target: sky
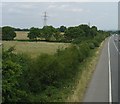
{"x":119,"y":16}
{"x":104,"y":15}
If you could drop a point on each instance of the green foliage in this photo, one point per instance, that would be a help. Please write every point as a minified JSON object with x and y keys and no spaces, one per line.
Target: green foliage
{"x":59,"y":37}
{"x":48,"y":78}
{"x":8,"y":33}
{"x":86,"y":30}
{"x":91,"y":45}
{"x":34,"y":33}
{"x":96,"y":43}
{"x":93,"y":31}
{"x":62,"y":29}
{"x":11,"y":73}
{"x":73,"y":33}
{"x":48,"y":32}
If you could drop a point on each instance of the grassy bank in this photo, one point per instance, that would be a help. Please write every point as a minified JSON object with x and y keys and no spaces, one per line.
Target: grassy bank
{"x":83,"y":79}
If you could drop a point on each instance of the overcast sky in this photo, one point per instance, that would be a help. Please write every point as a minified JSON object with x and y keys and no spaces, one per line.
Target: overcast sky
{"x":28,"y":14}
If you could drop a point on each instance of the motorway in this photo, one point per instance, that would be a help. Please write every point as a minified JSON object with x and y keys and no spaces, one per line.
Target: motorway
{"x":103,"y":86}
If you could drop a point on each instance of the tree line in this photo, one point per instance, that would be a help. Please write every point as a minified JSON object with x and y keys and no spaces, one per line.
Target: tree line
{"x":49,"y":33}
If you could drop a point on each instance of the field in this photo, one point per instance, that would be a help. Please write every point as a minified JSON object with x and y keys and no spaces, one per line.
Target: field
{"x":21,"y":35}
{"x":34,"y":48}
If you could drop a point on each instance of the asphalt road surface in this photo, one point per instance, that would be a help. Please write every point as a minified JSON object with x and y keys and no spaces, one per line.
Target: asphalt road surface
{"x":103,"y":86}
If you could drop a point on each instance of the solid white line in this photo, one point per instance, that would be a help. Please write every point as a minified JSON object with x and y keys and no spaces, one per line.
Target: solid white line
{"x":110,"y":84}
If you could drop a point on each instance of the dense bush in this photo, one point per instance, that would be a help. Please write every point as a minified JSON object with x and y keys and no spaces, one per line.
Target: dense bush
{"x":8,"y":33}
{"x":11,"y":74}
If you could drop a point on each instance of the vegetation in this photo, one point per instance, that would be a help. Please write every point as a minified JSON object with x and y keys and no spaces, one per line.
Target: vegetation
{"x":18,"y":29}
{"x":34,"y":33}
{"x":8,"y":33}
{"x":62,"y":29}
{"x":49,"y":78}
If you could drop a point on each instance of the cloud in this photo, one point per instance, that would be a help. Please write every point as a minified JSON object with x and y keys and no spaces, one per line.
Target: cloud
{"x":58,"y":6}
{"x":31,"y":13}
{"x":12,"y":10}
{"x":27,"y":6}
{"x":52,"y":6}
{"x":76,"y":10}
{"x":64,"y":6}
{"x":59,"y":0}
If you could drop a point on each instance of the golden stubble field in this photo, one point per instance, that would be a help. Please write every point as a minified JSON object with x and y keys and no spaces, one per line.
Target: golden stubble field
{"x":33,"y":48}
{"x":22,"y":35}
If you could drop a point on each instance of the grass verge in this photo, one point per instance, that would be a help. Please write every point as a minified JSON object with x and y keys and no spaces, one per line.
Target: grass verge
{"x":83,"y":78}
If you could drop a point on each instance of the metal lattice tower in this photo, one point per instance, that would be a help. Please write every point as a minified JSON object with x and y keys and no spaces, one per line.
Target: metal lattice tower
{"x":89,"y":24}
{"x":45,"y":19}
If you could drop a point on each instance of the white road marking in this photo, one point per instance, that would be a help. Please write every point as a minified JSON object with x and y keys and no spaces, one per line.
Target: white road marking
{"x":116,"y":46}
{"x":110,"y":84}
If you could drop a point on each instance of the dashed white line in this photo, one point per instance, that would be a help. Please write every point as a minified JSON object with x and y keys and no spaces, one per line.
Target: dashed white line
{"x":116,"y":47}
{"x":110,"y":84}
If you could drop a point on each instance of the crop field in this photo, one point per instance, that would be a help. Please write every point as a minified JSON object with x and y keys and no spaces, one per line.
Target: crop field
{"x":21,"y":35}
{"x":34,"y":48}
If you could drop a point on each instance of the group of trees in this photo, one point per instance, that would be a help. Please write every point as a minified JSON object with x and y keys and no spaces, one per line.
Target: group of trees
{"x":46,"y":33}
{"x":47,"y":78}
{"x":18,"y":29}
{"x":49,"y":33}
{"x":63,"y":34}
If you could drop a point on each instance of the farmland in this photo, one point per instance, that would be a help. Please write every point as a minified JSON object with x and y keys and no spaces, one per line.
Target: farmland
{"x":34,"y":48}
{"x":21,"y":35}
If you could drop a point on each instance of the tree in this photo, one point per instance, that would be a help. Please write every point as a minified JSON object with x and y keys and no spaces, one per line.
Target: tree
{"x":93,"y":31}
{"x":34,"y":33}
{"x":86,"y":29}
{"x":73,"y":33}
{"x":48,"y":32}
{"x":8,"y":33}
{"x":62,"y":28}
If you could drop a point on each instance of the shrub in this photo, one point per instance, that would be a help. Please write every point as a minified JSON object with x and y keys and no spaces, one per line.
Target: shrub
{"x":96,"y":44}
{"x":8,"y":33}
{"x":11,"y":90}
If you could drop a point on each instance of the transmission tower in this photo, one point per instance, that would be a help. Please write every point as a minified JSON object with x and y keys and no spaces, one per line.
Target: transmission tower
{"x":45,"y":19}
{"x":89,"y":24}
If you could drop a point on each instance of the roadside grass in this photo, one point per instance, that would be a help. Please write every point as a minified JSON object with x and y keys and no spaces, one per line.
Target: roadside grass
{"x":34,"y":48}
{"x":83,"y":78}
